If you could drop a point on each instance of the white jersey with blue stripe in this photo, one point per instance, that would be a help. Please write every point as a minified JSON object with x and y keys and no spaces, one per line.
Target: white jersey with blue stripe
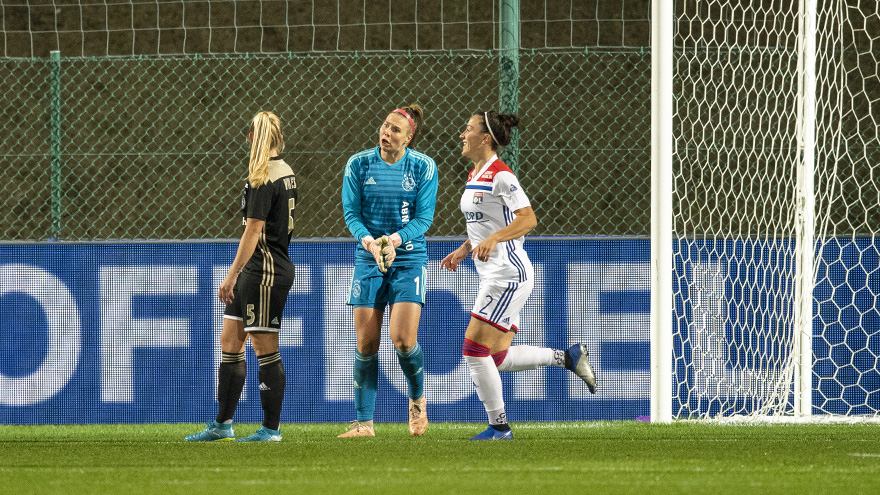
{"x":490,"y":197}
{"x":381,"y":199}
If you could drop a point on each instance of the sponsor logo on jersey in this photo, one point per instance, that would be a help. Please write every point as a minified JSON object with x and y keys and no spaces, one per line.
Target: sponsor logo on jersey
{"x":488,"y":175}
{"x":478,"y":197}
{"x":513,"y":188}
{"x":370,"y":182}
{"x":404,"y":212}
{"x":408,"y":183}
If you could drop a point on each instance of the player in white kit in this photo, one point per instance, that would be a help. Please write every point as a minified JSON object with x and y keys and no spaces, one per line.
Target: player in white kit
{"x":498,"y":215}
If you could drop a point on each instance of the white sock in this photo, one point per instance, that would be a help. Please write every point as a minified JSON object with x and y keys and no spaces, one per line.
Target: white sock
{"x":488,"y":384}
{"x":528,"y":357}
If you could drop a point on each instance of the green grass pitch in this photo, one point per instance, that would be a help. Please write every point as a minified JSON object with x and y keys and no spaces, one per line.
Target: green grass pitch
{"x":553,"y":458}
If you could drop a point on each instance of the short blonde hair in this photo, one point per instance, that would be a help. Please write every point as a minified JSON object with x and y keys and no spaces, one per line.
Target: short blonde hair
{"x":266,"y":131}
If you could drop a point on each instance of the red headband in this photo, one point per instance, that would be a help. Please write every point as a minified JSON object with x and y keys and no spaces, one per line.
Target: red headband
{"x":412,"y":125}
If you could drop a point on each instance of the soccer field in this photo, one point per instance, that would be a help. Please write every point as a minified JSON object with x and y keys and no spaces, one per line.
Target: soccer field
{"x":553,"y":458}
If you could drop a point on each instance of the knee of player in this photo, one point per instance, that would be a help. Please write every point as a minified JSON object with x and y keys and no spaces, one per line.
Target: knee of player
{"x":368,"y":347}
{"x":474,"y":349}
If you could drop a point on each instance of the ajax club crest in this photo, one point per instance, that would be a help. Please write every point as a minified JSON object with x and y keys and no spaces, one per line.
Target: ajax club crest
{"x":408,"y":182}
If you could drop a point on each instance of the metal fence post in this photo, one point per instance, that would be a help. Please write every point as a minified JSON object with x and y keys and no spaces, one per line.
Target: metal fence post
{"x":509,"y":76}
{"x":55,"y":137}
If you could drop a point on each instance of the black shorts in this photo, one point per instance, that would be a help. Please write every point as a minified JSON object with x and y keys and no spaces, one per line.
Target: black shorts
{"x":260,"y":307}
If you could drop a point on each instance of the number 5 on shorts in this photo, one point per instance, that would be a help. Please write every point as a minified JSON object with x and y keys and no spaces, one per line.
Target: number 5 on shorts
{"x":250,"y":314}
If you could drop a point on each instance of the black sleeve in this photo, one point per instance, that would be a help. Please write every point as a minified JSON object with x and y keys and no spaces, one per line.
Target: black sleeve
{"x":259,"y":202}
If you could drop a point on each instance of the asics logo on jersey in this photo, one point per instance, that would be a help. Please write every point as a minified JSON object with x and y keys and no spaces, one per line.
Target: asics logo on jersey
{"x":370,"y":182}
{"x":408,"y":183}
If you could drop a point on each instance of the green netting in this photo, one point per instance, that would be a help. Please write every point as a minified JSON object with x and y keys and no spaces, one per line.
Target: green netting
{"x":156,"y":147}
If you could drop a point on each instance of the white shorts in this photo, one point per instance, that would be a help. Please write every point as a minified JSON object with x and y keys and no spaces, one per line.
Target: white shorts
{"x":499,"y":303}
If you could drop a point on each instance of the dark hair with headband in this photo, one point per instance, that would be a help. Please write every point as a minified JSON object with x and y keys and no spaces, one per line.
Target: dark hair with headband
{"x":499,"y":126}
{"x":415,"y":117}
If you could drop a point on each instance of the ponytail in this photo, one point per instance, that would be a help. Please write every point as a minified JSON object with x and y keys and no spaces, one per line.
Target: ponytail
{"x":266,"y":132}
{"x":417,"y":115}
{"x":499,"y":126}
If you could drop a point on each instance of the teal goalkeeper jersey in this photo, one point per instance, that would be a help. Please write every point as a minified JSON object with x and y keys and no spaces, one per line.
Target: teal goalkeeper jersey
{"x":381,"y":199}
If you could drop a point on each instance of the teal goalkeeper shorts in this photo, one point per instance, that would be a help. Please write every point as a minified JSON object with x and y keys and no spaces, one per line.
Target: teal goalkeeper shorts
{"x":373,"y":289}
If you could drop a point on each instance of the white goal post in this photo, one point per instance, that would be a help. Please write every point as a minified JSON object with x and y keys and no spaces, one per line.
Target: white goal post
{"x":766,"y":210}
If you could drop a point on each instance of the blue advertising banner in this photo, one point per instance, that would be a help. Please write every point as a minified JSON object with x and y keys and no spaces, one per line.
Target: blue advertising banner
{"x":128,"y":333}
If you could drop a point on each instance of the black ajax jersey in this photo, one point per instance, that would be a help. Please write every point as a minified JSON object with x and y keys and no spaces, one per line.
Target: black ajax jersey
{"x":274,"y":202}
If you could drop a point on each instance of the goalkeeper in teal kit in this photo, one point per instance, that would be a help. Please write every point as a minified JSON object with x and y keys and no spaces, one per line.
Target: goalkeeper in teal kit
{"x":388,"y":196}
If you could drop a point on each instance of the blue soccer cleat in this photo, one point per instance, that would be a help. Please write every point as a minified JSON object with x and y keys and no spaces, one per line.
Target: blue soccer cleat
{"x":262,"y":435}
{"x":214,"y":431}
{"x":493,"y":434}
{"x":580,"y":365}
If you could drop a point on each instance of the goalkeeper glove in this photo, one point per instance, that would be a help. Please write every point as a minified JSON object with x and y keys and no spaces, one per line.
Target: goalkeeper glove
{"x":386,"y":254}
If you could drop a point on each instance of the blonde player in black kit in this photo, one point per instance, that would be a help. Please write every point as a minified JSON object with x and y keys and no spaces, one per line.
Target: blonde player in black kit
{"x":256,"y":287}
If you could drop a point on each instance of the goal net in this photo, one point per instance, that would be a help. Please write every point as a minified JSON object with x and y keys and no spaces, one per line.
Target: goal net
{"x":759,"y":171}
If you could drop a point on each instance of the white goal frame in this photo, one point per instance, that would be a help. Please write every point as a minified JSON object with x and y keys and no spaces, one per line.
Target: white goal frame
{"x":662,"y":163}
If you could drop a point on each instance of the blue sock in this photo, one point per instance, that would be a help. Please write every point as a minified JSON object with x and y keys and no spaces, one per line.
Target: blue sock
{"x":366,"y":382}
{"x":411,"y":362}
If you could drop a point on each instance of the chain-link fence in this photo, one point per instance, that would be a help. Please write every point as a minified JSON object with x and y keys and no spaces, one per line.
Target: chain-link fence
{"x":156,"y":147}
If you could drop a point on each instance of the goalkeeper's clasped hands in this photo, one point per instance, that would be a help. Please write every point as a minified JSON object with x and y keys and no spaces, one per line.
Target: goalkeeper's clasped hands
{"x":384,"y":249}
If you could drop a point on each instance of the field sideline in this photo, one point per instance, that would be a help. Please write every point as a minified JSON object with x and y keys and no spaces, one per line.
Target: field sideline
{"x":553,"y":458}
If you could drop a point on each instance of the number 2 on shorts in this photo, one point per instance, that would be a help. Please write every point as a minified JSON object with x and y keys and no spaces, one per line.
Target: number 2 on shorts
{"x":483,"y":309}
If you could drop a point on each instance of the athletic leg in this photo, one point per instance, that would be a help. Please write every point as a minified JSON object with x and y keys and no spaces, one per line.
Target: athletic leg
{"x":230,"y":382}
{"x":368,"y":326}
{"x":404,"y":322}
{"x":480,"y":338}
{"x":233,"y":369}
{"x":271,"y":376}
{"x":527,"y":357}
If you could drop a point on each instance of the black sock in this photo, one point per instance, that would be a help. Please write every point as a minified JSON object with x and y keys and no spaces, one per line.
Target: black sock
{"x":230,"y":383}
{"x":568,"y":361}
{"x":501,"y":427}
{"x":272,"y":383}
